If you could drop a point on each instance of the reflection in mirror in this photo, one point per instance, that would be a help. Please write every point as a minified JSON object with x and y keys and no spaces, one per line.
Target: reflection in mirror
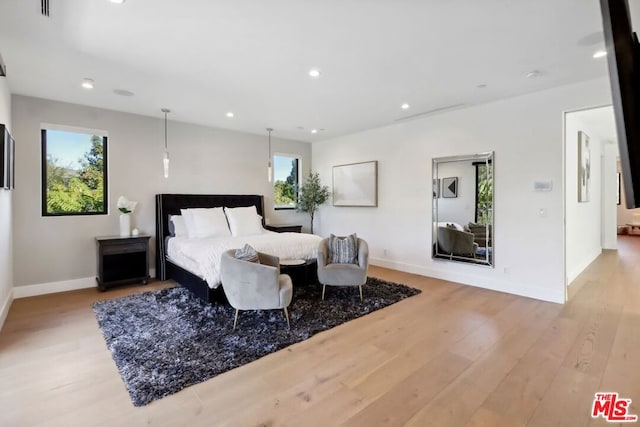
{"x":463,"y":208}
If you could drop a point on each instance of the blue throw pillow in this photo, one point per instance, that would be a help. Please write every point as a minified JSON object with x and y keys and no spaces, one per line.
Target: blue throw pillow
{"x":343,"y":249}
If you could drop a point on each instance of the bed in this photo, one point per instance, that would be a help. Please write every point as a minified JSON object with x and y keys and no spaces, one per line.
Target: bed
{"x":194,"y":263}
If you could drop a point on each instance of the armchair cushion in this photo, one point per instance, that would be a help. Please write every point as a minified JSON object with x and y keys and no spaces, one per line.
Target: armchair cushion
{"x":247,"y":253}
{"x":343,"y":249}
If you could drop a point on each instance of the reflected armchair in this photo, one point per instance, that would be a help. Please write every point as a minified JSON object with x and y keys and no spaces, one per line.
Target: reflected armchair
{"x":454,"y":242}
{"x":252,"y":286}
{"x":343,"y":274}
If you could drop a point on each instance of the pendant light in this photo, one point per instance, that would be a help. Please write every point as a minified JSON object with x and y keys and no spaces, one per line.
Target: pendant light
{"x":165,"y":159}
{"x":270,"y":168}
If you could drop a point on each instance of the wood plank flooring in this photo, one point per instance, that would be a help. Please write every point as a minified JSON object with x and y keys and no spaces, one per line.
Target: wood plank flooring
{"x":452,"y":356}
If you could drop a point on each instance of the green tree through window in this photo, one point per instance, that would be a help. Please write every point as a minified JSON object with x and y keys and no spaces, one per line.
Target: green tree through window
{"x":285,"y":186}
{"x":74,"y":173}
{"x":484,"y":194}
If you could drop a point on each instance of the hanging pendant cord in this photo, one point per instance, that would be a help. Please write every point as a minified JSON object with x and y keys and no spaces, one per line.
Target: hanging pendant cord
{"x":165,"y":131}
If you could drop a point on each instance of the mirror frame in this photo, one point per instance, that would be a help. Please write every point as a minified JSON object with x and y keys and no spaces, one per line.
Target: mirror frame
{"x":488,"y":261}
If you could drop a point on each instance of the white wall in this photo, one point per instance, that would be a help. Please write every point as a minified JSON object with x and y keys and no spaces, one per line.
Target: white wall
{"x":526,"y":134}
{"x":584,"y":219}
{"x":203,"y":160}
{"x":461,"y":209}
{"x":609,"y":195}
{"x":6,"y":249}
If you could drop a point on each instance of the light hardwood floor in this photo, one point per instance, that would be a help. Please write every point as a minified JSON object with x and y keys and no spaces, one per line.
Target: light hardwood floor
{"x":452,"y":356}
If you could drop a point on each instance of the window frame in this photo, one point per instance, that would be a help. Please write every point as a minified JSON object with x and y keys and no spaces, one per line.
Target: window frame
{"x":43,"y":169}
{"x":297,"y":157}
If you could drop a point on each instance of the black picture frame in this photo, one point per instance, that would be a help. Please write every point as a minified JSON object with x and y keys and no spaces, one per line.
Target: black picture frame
{"x":450,"y":187}
{"x":7,"y":159}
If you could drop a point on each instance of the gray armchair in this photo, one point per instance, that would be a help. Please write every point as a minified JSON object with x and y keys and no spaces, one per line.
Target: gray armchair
{"x":253,"y":286}
{"x":455,"y":242}
{"x":343,"y":274}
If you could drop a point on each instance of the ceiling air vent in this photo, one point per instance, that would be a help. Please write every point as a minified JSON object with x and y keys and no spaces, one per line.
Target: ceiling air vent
{"x":44,"y":6}
{"x":425,"y":113}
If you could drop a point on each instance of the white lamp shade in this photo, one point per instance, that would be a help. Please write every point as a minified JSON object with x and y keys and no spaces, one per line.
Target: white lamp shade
{"x":165,"y":161}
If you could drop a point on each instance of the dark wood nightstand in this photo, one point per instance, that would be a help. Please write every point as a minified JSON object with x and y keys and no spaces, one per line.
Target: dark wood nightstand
{"x":122,"y":260}
{"x":284,"y":228}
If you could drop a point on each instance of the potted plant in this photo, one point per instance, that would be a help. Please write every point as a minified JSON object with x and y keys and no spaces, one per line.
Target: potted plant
{"x":312,"y":195}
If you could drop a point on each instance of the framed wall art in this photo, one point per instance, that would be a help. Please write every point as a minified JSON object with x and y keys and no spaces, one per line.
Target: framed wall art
{"x":356,"y":184}
{"x":450,"y":187}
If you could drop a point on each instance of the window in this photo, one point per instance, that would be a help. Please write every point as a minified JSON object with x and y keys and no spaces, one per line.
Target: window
{"x":74,"y":172}
{"x":484,"y":194}
{"x":286,"y":172}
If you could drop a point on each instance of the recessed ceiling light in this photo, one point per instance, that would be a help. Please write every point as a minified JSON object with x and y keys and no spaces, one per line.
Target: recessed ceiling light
{"x":314,"y":130}
{"x":533,"y":74}
{"x":230,"y":114}
{"x":600,"y":54}
{"x":405,"y":106}
{"x":117,"y":1}
{"x":87,"y":83}
{"x":314,"y":73}
{"x":481,"y":86}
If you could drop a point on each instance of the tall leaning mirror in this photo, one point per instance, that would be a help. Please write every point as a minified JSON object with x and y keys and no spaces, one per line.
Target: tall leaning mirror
{"x":463,"y":209}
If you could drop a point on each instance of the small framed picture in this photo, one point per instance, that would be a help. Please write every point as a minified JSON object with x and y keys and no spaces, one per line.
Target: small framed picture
{"x":450,"y":187}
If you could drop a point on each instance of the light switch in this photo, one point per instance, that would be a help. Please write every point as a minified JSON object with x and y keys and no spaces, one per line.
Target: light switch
{"x":543,"y":185}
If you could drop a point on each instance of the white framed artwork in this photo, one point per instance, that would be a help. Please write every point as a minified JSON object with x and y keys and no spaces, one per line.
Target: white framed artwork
{"x":356,"y":184}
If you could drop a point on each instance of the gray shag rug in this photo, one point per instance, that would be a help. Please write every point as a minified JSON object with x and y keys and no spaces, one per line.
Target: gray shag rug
{"x":163,"y":341}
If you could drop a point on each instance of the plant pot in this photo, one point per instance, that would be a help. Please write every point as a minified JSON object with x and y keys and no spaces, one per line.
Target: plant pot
{"x":125,"y":225}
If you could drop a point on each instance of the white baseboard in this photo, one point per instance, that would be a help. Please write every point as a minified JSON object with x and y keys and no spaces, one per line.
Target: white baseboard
{"x":61,"y":286}
{"x":4,"y":310}
{"x":506,"y":286}
{"x":572,"y":275}
{"x":53,"y":287}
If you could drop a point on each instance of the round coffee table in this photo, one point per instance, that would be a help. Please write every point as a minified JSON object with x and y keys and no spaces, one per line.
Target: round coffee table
{"x":302,"y":272}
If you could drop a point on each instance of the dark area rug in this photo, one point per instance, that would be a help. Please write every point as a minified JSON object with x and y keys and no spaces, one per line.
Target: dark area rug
{"x":163,"y":341}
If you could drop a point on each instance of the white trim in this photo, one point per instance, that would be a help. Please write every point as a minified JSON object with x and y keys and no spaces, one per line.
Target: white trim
{"x":572,"y":275}
{"x":468,"y":279}
{"x":4,"y":311}
{"x":61,"y":286}
{"x":53,"y":287}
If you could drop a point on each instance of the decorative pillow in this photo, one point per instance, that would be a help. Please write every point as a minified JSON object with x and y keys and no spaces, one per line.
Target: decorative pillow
{"x":206,"y":222}
{"x":343,"y":249}
{"x":244,"y":221}
{"x":247,"y":253}
{"x":177,"y":227}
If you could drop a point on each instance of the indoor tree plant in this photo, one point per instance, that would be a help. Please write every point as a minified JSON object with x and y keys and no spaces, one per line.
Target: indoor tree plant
{"x":312,"y":195}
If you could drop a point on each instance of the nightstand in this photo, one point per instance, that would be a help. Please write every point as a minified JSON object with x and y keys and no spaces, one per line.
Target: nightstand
{"x":284,"y":228}
{"x":122,"y":260}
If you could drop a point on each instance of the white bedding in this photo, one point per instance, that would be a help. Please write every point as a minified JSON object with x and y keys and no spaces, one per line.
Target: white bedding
{"x":202,"y":256}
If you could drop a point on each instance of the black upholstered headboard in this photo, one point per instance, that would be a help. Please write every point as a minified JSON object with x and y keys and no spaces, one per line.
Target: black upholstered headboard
{"x":170,"y":204}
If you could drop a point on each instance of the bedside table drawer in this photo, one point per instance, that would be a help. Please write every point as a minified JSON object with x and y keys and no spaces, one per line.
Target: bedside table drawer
{"x":124,"y":248}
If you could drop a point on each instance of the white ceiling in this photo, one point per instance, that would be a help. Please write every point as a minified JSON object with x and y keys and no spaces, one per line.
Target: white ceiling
{"x":202,"y":58}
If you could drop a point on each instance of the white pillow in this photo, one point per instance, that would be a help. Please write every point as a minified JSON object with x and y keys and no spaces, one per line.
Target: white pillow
{"x":244,"y":221}
{"x":179,"y":226}
{"x":206,"y":222}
